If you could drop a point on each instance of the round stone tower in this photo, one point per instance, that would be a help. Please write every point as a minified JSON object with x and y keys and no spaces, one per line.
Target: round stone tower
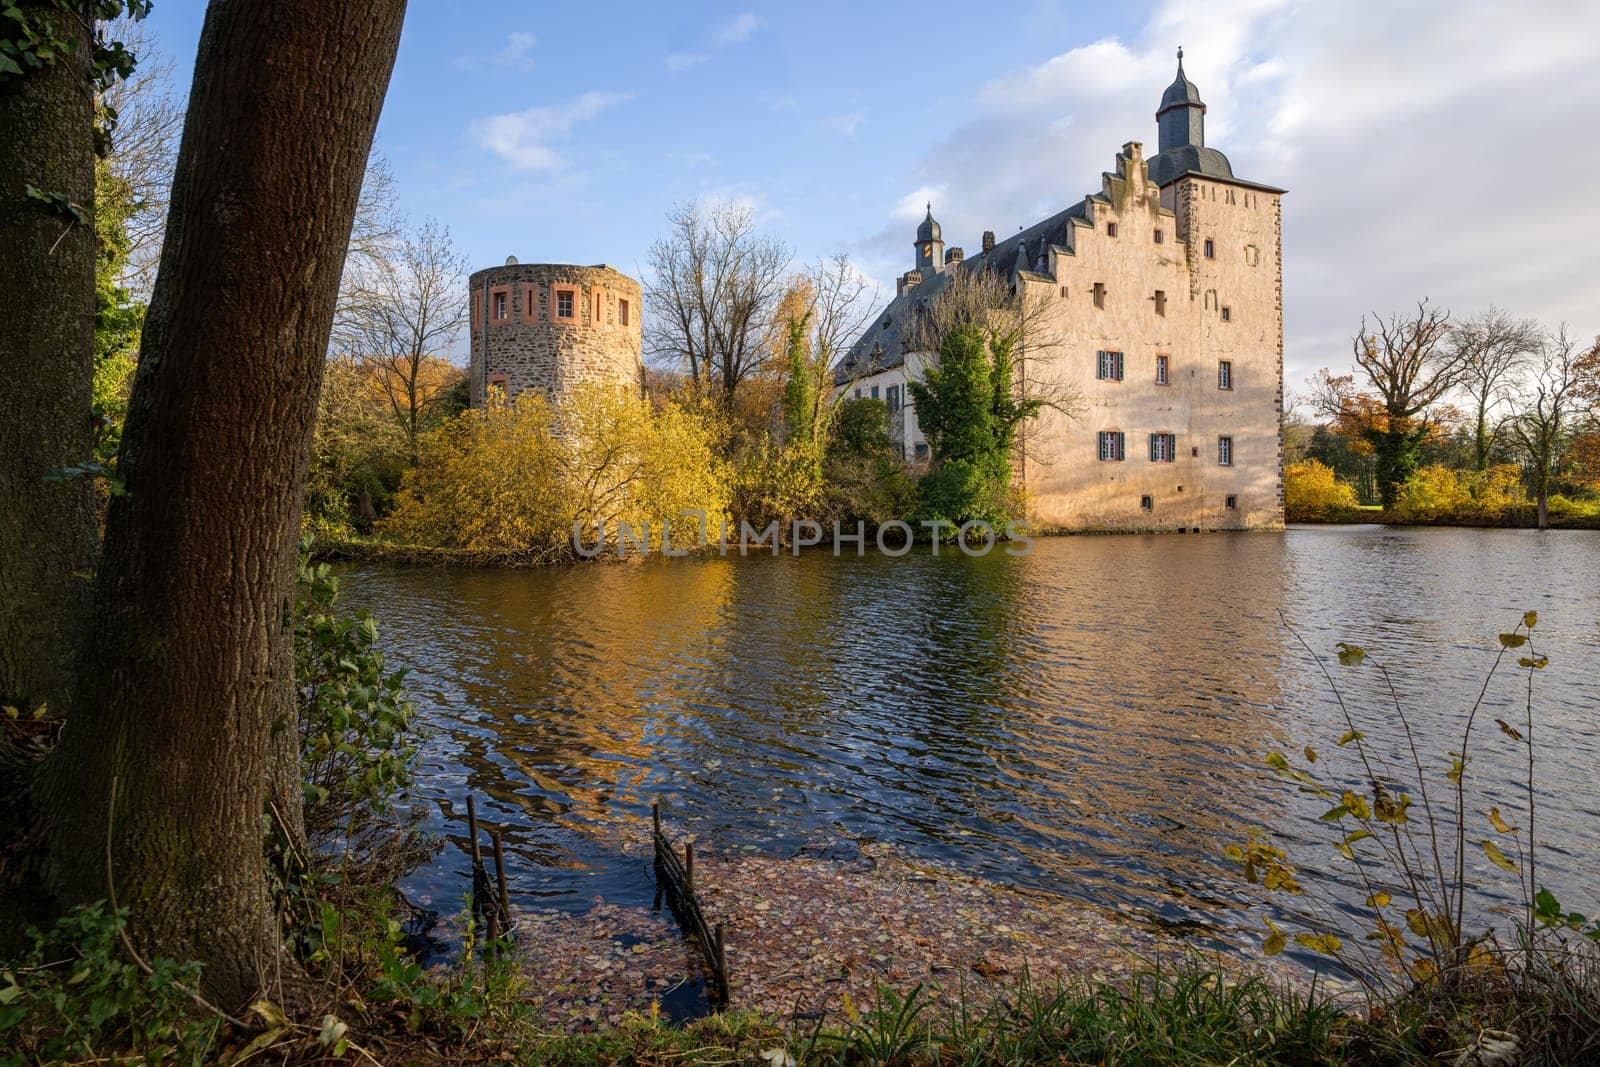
{"x":552,"y":326}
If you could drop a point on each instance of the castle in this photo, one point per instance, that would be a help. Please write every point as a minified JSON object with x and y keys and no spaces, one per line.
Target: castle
{"x":552,"y":326}
{"x":1160,"y":305}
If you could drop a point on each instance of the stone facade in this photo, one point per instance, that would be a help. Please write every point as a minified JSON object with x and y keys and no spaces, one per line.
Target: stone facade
{"x":1160,"y":305}
{"x":552,"y":326}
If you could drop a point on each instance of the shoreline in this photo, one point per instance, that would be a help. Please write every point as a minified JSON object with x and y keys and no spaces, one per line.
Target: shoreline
{"x":812,"y":938}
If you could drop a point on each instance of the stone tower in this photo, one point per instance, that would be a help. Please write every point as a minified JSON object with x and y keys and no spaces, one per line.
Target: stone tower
{"x":930,"y":246}
{"x":552,"y":326}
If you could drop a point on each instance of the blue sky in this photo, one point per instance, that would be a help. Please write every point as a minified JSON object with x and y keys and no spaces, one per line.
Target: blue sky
{"x":1442,"y":150}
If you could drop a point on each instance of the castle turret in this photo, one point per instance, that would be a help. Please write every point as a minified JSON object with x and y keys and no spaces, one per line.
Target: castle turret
{"x":1181,"y":135}
{"x":1181,"y":118}
{"x":930,"y":245}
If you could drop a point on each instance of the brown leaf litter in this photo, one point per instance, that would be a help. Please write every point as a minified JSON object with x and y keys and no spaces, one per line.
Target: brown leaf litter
{"x":803,"y":932}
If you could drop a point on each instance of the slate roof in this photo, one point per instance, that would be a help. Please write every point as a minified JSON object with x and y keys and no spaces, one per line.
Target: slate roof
{"x":881,"y":345}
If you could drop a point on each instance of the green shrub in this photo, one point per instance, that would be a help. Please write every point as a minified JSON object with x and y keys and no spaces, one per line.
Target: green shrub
{"x":77,"y":996}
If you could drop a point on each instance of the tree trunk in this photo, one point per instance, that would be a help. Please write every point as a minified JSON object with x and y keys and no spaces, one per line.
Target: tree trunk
{"x":48,"y":530}
{"x":185,"y":685}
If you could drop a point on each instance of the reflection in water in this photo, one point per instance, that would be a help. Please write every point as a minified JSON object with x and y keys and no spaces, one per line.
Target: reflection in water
{"x":1089,"y":720}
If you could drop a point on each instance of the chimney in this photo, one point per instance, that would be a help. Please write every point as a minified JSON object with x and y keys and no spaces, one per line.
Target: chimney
{"x":908,"y":281}
{"x":988,"y":240}
{"x":954,"y":255}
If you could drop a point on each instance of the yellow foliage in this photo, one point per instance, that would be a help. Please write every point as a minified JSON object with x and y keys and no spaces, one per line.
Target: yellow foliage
{"x":1439,"y":493}
{"x":518,"y":477}
{"x":1313,"y":493}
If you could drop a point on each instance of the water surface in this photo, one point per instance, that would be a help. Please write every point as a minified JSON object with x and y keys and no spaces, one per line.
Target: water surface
{"x":1090,"y":720}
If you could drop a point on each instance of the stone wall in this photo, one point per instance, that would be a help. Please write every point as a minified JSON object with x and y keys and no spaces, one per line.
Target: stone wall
{"x":1069,"y":485}
{"x":552,"y":326}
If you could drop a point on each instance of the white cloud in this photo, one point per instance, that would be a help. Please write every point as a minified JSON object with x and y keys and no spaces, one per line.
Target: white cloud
{"x":677,"y":61}
{"x":526,"y":139}
{"x":1425,"y":153}
{"x":736,"y":29}
{"x":846,"y":124}
{"x":516,"y":55}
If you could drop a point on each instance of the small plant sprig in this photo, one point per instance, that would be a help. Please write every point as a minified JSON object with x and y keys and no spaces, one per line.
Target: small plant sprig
{"x":1414,"y":896}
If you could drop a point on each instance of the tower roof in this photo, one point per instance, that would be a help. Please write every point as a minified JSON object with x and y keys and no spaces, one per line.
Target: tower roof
{"x":929,"y":230}
{"x":1181,"y":93}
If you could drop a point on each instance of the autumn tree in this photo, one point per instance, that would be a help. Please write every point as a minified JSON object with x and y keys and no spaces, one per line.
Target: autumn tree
{"x":1409,"y":369}
{"x":824,"y":310}
{"x":1563,"y":375}
{"x":180,"y":740}
{"x":714,"y":285}
{"x":401,"y":311}
{"x":1491,"y":347}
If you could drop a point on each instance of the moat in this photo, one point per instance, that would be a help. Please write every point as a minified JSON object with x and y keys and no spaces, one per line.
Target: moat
{"x":1089,"y":721}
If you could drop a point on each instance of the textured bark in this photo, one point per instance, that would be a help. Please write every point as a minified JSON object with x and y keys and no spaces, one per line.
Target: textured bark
{"x":48,"y":530}
{"x":182,"y":700}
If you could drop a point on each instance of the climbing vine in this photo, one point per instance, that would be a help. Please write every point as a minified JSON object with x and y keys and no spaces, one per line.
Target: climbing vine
{"x":36,"y":37}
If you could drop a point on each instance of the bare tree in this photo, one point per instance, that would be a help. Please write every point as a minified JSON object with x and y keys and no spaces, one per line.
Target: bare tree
{"x":1009,"y":310}
{"x":401,"y":310}
{"x":1492,"y":347}
{"x":714,"y":287}
{"x":1410,"y":367}
{"x":1563,"y":378}
{"x":144,"y":147}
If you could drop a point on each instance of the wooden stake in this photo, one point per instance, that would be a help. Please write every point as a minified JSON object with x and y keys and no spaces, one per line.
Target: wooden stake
{"x":688,"y":865}
{"x":655,"y":815}
{"x":479,"y":875}
{"x":500,"y":877}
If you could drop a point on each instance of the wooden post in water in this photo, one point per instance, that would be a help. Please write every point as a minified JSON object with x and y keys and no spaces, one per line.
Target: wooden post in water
{"x":688,"y":864}
{"x":500,"y":878}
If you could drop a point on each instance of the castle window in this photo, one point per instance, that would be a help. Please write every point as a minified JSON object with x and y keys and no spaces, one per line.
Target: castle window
{"x":566,"y":301}
{"x":892,"y":397}
{"x":1163,"y":447}
{"x":1225,"y":451}
{"x":1160,"y":299}
{"x":1227,"y":313}
{"x":500,"y":304}
{"x":1063,"y":292}
{"x":922,"y":450}
{"x":1111,"y":229}
{"x":858,"y":394}
{"x":1211,"y":249}
{"x":1099,"y":295}
{"x":599,"y":316}
{"x":1224,"y":374}
{"x":622,"y":313}
{"x":1147,"y":502}
{"x":1232,"y":503}
{"x":1162,"y":369}
{"x":530,"y":303}
{"x":1156,"y":236}
{"x":499,"y":386}
{"x":1108,"y":366}
{"x":874,"y":392}
{"x":1112,"y":445}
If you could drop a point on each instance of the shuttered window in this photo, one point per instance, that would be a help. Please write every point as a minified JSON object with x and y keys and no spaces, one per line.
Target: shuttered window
{"x":1108,"y":366}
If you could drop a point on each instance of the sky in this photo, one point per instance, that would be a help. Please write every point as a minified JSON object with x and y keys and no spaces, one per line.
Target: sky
{"x":1441,"y":150}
